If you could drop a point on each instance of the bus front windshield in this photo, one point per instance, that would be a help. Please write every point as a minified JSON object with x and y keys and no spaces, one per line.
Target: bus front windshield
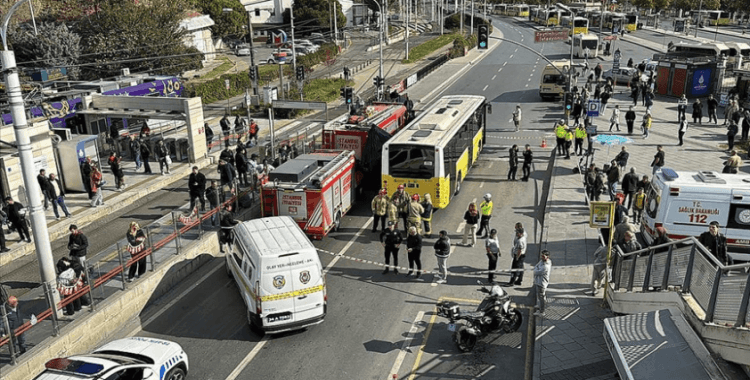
{"x":591,"y":44}
{"x":580,"y":23}
{"x":409,"y":161}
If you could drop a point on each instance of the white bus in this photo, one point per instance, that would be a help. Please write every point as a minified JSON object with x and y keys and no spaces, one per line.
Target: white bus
{"x":583,"y":41}
{"x":712,"y":49}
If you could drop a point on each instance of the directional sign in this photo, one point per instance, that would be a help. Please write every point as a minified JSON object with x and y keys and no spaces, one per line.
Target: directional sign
{"x":594,"y":107}
{"x":551,"y":35}
{"x":299,"y":105}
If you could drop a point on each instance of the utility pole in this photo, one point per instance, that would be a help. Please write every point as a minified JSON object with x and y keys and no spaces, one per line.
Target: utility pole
{"x":26,"y":155}
{"x":252,"y":50}
{"x":384,"y":13}
{"x":472,"y":17}
{"x":698,"y":21}
{"x":335,"y":26}
{"x":294,"y":51}
{"x":463,"y":5}
{"x":407,"y":29}
{"x":380,"y":36}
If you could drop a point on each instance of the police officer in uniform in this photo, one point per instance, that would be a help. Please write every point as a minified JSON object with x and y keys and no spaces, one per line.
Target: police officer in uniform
{"x":484,"y":222}
{"x":391,"y":240}
{"x":580,"y":135}
{"x":560,"y":131}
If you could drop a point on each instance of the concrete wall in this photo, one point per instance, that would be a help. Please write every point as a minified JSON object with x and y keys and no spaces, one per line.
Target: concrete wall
{"x":91,"y":329}
{"x":44,"y":156}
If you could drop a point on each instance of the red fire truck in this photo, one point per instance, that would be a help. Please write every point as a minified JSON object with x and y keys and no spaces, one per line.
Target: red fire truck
{"x":314,"y":189}
{"x":365,"y":134}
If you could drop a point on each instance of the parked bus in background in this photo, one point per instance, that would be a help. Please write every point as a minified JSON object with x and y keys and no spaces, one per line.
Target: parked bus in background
{"x":711,"y":49}
{"x":631,"y":22}
{"x":500,"y":9}
{"x":583,"y":41}
{"x":519,"y":10}
{"x":435,"y":152}
{"x":739,"y":53}
{"x":580,"y":25}
{"x":713,"y":18}
{"x":595,"y":19}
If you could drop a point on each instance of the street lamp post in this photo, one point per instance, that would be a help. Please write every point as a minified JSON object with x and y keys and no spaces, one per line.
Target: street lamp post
{"x":25,"y":153}
{"x":570,"y":68}
{"x":252,"y":46}
{"x":380,"y":44}
{"x":698,"y":20}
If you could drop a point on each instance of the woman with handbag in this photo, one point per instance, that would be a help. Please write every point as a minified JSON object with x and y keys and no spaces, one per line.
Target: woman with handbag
{"x":96,"y":185}
{"x":69,"y":281}
{"x":136,"y":243}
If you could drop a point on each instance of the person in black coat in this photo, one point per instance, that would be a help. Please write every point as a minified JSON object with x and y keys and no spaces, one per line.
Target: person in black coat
{"x":629,"y":185}
{"x":145,"y":154}
{"x":57,"y":195}
{"x":528,"y":156}
{"x":513,"y":163}
{"x":63,"y":265}
{"x":414,"y":251}
{"x":15,"y":320}
{"x":161,"y":154}
{"x":242,"y":166}
{"x":44,"y":186}
{"x":697,"y":111}
{"x":197,"y":188}
{"x":227,"y":176}
{"x":391,"y":240}
{"x":77,"y":244}
{"x":715,"y":242}
{"x":213,"y":195}
{"x":227,"y":156}
{"x":18,"y":221}
{"x":86,"y":176}
{"x":225,"y":129}
{"x":227,"y":224}
{"x":3,"y":217}
{"x":630,"y":119}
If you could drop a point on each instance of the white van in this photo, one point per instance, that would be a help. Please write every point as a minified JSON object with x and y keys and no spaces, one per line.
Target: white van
{"x":279,"y":275}
{"x":686,"y":202}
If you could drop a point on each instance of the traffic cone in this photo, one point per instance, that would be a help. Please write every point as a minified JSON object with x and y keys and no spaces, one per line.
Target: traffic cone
{"x":544,"y":143}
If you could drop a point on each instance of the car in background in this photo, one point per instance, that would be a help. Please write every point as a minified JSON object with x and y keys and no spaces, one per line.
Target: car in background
{"x":311,"y":47}
{"x":274,"y":58}
{"x":622,"y":75}
{"x":130,"y":358}
{"x":301,"y":51}
{"x":242,"y":50}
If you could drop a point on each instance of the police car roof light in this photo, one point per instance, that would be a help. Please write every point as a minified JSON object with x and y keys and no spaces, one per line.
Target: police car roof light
{"x":669,"y":174}
{"x":75,"y":366}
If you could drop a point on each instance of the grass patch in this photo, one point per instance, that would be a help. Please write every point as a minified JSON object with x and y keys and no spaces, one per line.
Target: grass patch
{"x":324,"y":90}
{"x":420,"y":51}
{"x":219,"y":70}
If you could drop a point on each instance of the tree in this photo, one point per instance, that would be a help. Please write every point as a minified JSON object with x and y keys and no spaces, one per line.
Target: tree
{"x":54,"y":45}
{"x":231,"y":23}
{"x":315,"y":14}
{"x":139,"y":35}
{"x":652,"y":4}
{"x":689,"y":5}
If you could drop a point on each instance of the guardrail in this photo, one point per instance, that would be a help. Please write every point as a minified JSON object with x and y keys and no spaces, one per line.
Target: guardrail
{"x":722,"y":291}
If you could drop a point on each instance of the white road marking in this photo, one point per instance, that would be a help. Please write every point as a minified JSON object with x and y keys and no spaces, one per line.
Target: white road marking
{"x":527,"y":85}
{"x":481,"y":185}
{"x":506,"y":62}
{"x":531,"y":75}
{"x":494,"y":76}
{"x":485,"y":87}
{"x":404,"y":346}
{"x":461,"y":226}
{"x":250,"y":356}
{"x":347,"y":246}
{"x":489,"y":166}
{"x":500,"y":69}
{"x":511,"y":56}
{"x":529,"y":80}
{"x":515,"y":50}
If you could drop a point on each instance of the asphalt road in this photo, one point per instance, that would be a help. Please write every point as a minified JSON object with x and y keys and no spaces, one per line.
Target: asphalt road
{"x":366,"y":332}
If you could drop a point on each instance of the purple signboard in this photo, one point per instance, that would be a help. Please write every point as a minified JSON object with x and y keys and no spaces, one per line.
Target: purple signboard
{"x":60,"y":112}
{"x":701,"y":82}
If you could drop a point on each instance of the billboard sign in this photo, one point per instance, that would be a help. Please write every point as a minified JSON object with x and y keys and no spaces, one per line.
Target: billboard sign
{"x":551,"y":35}
{"x":701,"y":81}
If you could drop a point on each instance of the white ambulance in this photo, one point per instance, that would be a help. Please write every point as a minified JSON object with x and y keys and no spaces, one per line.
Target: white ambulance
{"x":686,"y":202}
{"x":279,"y":274}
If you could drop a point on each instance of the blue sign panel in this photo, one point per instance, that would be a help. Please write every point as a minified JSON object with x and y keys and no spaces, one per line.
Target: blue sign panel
{"x":701,"y":82}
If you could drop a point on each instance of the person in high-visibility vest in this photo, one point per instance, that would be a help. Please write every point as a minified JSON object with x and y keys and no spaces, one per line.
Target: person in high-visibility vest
{"x":560,"y":130}
{"x":568,"y":143}
{"x":638,"y":204}
{"x":484,"y":223}
{"x":580,"y":135}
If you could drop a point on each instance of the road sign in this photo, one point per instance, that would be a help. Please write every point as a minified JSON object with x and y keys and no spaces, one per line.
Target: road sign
{"x":299,"y":105}
{"x":551,"y":35}
{"x":610,"y":38}
{"x":594,"y":107}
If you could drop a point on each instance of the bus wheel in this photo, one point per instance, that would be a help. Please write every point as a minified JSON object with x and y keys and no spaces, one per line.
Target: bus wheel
{"x":458,"y":184}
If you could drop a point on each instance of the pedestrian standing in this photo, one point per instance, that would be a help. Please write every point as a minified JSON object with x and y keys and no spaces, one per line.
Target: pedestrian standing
{"x":541,"y":281}
{"x":379,"y":206}
{"x":638,"y":204}
{"x":600,"y":266}
{"x":598,"y":72}
{"x":254,"y":129}
{"x":580,"y":135}
{"x":560,"y":132}
{"x":3,"y":246}
{"x":599,"y":183}
{"x":577,"y":110}
{"x":136,"y":243}
{"x":486,"y":209}
{"x":57,"y":194}
{"x":15,"y":320}
{"x":568,"y":143}
{"x":471,"y":218}
{"x":401,"y":200}
{"x":512,"y":162}
{"x":77,"y":244}
{"x":712,"y":105}
{"x":715,"y":242}
{"x":96,"y":186}
{"x":227,"y":223}
{"x":414,"y":251}
{"x":212,"y":194}
{"x":162,"y":154}
{"x":589,"y":181}
{"x":681,"y":107}
{"x":613,"y":177}
{"x":646,"y":125}
{"x":442,"y":251}
{"x":225,"y":129}
{"x":697,"y":111}
{"x":658,"y":161}
{"x":145,"y":155}
{"x":730,"y":110}
{"x":415,"y":211}
{"x":197,"y":188}
{"x":393,"y":215}
{"x":227,"y":175}
{"x":518,"y":253}
{"x":17,"y":220}
{"x":41,"y":178}
{"x":242,"y":166}
{"x":69,"y":281}
{"x":391,"y":240}
{"x":605,"y":100}
{"x":86,"y":175}
{"x":116,"y":169}
{"x":682,"y":129}
{"x":635,"y":90}
{"x":733,"y":163}
{"x":517,"y":117}
{"x":629,"y":186}
{"x":630,"y":119}
{"x":745,"y":125}
{"x":135,"y":150}
{"x":614,"y":121}
{"x":427,"y":215}
{"x":492,"y":245}
{"x":622,"y":159}
{"x":528,"y":156}
{"x":732,"y":131}
{"x":649,"y":99}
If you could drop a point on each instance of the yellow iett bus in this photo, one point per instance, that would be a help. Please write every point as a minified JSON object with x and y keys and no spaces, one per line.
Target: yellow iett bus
{"x":435,"y":152}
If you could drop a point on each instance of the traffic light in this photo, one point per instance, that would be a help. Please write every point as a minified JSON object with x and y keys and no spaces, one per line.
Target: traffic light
{"x":377,"y":81}
{"x":568,"y":98}
{"x":342,"y":91}
{"x":253,"y":73}
{"x":483,"y":37}
{"x":348,"y":94}
{"x":300,"y":73}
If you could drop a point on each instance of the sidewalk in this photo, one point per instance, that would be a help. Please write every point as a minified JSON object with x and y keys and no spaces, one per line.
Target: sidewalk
{"x":569,"y":343}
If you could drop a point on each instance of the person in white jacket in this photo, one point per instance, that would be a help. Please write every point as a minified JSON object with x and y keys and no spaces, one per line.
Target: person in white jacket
{"x":541,"y":280}
{"x":614,"y":121}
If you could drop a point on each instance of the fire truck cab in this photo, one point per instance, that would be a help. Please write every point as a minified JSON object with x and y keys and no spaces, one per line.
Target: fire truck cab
{"x":314,"y":189}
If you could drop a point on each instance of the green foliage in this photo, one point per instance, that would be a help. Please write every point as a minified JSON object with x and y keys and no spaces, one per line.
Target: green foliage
{"x":326,"y":52}
{"x":420,"y":51}
{"x":688,"y":5}
{"x":54,"y":46}
{"x":141,"y":36}
{"x":462,"y":44}
{"x":454,"y":22}
{"x":314,"y":14}
{"x":324,"y":90}
{"x":232,"y":23}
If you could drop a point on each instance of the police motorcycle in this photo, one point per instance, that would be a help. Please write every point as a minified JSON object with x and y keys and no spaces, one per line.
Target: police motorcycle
{"x":493,"y":315}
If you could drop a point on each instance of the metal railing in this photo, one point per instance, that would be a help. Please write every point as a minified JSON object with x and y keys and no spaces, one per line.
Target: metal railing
{"x":722,"y":291}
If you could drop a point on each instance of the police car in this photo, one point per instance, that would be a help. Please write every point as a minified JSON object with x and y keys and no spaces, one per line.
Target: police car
{"x":135,"y":358}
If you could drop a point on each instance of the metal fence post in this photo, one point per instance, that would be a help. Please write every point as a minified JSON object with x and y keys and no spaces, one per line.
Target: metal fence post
{"x":91,"y":286}
{"x":177,"y":234}
{"x":714,"y":294}
{"x":51,"y":300}
{"x":200,"y":222}
{"x":11,"y":334}
{"x":122,"y":266}
{"x":631,"y":276}
{"x":151,"y":247}
{"x":742,"y":315}
{"x":689,"y":270}
{"x":667,"y":269}
{"x":647,"y":276}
